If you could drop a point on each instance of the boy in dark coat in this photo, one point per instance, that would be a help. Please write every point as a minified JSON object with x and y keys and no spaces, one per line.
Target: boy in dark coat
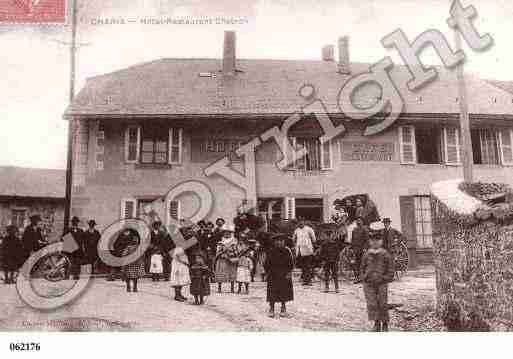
{"x":77,"y":257}
{"x":330,"y":251}
{"x":278,"y":268}
{"x":377,"y":271}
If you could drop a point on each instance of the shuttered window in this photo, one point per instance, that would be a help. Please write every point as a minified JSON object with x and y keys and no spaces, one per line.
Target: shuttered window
{"x":289,"y":208}
{"x":175,"y":145}
{"x":407,"y":145}
{"x":132,"y":143}
{"x":506,"y":146}
{"x":128,"y":208}
{"x":326,"y":156}
{"x":452,"y":146}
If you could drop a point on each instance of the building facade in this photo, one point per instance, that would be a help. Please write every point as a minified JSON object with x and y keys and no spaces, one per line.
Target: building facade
{"x":140,"y":131}
{"x":28,"y":191}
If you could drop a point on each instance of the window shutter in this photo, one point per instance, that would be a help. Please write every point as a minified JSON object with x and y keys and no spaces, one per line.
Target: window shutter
{"x":326,"y":155}
{"x":128,"y":208}
{"x":452,"y":146}
{"x":506,"y":146}
{"x":290,"y":208}
{"x":175,"y":145}
{"x":132,"y":144}
{"x":407,"y":149}
{"x":174,"y":211}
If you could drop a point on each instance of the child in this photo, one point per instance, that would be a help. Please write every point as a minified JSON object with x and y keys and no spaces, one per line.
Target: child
{"x":200,"y":279}
{"x":156,"y":267}
{"x":377,"y":271}
{"x":179,"y":273}
{"x":244,"y":268}
{"x":134,"y":270}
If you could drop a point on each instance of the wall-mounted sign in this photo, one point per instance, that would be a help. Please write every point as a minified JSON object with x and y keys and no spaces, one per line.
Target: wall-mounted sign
{"x":367,"y":151}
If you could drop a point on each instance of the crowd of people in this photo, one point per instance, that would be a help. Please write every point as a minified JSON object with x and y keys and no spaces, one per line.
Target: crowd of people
{"x":229,"y":254}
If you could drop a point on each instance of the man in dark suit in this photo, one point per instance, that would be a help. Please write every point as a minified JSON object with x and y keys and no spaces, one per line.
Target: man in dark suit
{"x":77,"y":256}
{"x":32,"y":236}
{"x":91,"y":237}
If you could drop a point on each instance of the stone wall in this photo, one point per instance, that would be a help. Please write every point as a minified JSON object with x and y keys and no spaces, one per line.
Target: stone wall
{"x":474,"y":268}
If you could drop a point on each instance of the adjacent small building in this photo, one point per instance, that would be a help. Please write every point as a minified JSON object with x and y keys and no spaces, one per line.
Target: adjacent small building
{"x":28,"y":191}
{"x":139,"y":131}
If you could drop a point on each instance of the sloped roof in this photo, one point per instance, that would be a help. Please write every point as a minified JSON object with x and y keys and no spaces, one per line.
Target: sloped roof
{"x":32,"y":182}
{"x":174,"y":87}
{"x":503,"y":85}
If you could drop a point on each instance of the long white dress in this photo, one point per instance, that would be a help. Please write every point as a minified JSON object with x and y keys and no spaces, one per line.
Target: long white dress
{"x":179,"y":269}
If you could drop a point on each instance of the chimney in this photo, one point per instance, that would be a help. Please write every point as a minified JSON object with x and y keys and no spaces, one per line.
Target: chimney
{"x":328,"y":53}
{"x":344,"y":66}
{"x":229,"y":53}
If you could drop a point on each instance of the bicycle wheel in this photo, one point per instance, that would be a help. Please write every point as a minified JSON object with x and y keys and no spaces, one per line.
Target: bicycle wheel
{"x":401,"y":259}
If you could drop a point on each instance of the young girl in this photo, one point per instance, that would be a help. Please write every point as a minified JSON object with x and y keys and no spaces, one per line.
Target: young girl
{"x":377,"y":270}
{"x":179,"y":273}
{"x":200,"y":279}
{"x":134,"y":270}
{"x":156,"y":267}
{"x":244,"y":268}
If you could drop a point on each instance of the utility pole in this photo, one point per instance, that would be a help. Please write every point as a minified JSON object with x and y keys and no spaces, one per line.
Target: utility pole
{"x":69,"y":165}
{"x":466,"y":148}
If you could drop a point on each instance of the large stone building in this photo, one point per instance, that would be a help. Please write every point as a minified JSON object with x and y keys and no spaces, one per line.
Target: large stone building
{"x":28,"y":191}
{"x":141,"y":130}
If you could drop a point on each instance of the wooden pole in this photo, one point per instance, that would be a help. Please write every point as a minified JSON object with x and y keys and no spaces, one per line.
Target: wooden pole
{"x":69,"y":166}
{"x":466,"y":145}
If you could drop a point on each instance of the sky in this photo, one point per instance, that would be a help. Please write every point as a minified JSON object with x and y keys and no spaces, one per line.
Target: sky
{"x":35,"y":59}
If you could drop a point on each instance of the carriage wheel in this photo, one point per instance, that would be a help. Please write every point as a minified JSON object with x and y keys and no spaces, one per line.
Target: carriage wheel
{"x":401,"y":259}
{"x":53,"y":267}
{"x":346,"y":264}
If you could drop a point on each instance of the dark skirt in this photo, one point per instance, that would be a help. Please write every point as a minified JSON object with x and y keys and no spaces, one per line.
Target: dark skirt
{"x":279,"y":289}
{"x":200,"y":286}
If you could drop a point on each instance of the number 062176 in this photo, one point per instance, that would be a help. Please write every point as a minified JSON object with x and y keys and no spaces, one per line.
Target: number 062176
{"x":18,"y":347}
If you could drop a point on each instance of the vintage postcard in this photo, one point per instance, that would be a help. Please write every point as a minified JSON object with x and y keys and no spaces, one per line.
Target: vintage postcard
{"x":255,"y":166}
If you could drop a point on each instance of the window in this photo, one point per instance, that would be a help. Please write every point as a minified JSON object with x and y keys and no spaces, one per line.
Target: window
{"x":318,"y":157}
{"x":128,"y":208}
{"x":289,"y":208}
{"x":154,"y":145}
{"x":423,"y":230}
{"x":132,"y":141}
{"x":485,"y":146}
{"x":428,"y":142}
{"x":18,"y":218}
{"x":407,"y":145}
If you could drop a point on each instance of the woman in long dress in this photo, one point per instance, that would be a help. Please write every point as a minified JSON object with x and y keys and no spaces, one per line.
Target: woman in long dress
{"x":12,"y":254}
{"x":226,"y":260}
{"x":179,"y":273}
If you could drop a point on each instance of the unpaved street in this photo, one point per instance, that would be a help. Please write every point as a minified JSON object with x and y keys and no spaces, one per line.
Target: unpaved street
{"x":106,"y":306}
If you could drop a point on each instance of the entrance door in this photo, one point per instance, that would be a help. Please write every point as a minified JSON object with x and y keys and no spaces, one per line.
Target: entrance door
{"x":310,"y":209}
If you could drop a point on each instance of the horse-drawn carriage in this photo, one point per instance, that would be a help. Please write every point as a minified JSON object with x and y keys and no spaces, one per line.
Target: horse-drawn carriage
{"x":343,"y":222}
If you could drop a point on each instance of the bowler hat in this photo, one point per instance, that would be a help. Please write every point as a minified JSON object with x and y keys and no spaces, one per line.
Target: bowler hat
{"x":91,"y":222}
{"x":386,"y":220}
{"x":75,"y":219}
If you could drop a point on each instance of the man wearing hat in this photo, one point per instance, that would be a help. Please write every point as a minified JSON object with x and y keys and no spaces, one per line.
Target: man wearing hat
{"x":32,"y":236}
{"x":91,"y":237}
{"x":78,"y":255}
{"x":389,"y":235}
